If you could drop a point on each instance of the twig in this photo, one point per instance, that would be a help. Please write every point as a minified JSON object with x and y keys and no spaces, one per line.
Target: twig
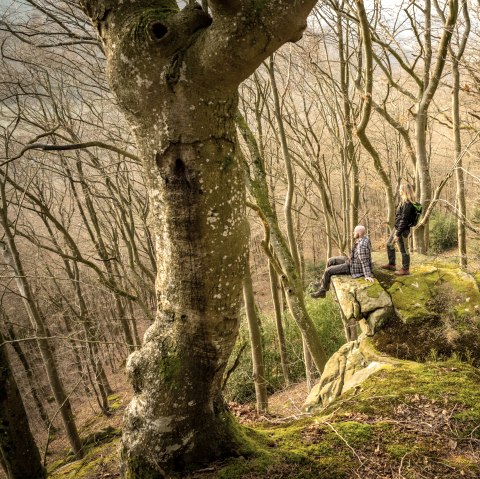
{"x":345,"y":441}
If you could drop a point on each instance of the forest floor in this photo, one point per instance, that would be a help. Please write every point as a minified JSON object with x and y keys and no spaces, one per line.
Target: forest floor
{"x":413,"y":421}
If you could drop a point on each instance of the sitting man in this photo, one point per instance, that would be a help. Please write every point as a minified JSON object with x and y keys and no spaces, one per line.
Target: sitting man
{"x":358,"y":264}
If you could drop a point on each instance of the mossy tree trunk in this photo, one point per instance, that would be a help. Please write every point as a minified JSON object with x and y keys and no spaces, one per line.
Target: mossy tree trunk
{"x":287,"y":209}
{"x":175,"y":75}
{"x":280,"y":253}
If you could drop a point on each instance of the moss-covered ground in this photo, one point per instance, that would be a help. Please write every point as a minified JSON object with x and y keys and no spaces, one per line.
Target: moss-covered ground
{"x":407,"y":421}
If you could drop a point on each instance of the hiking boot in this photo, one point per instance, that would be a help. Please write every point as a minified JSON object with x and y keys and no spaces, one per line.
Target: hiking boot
{"x":402,"y":272}
{"x":389,"y":266}
{"x":321,"y":293}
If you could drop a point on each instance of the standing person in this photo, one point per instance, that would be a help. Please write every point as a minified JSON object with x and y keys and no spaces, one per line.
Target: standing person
{"x":358,"y":264}
{"x":404,"y":219}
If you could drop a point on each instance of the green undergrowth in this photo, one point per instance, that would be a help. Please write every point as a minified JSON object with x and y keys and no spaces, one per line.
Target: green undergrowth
{"x":100,"y":436}
{"x":326,"y":317}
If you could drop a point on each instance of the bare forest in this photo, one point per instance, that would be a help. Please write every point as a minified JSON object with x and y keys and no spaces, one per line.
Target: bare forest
{"x":174,"y":176}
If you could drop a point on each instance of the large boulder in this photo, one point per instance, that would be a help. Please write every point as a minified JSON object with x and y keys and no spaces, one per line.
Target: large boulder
{"x":364,"y":306}
{"x":434,"y":311}
{"x":437,"y":312}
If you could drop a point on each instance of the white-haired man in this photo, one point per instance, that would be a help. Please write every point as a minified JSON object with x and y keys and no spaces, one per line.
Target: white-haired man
{"x":358,"y":264}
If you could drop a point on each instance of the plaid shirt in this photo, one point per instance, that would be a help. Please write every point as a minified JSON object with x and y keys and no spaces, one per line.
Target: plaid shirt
{"x":361,"y":258}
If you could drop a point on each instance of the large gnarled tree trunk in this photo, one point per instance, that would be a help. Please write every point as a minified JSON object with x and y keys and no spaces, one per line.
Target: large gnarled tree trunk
{"x":175,"y":75}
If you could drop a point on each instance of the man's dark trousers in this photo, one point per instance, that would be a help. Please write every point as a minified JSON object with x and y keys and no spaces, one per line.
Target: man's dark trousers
{"x":335,"y":265}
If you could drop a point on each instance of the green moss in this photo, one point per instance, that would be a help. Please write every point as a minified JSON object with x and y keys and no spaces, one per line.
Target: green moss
{"x":101,"y":457}
{"x":169,"y":366}
{"x":391,"y":418}
{"x":399,"y":451}
{"x":375,"y":290}
{"x":428,"y":283}
{"x":411,"y":294}
{"x":355,"y":433}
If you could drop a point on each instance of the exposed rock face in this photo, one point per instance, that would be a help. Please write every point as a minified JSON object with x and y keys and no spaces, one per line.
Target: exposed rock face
{"x":436,"y":308}
{"x":354,"y":362}
{"x":361,"y":303}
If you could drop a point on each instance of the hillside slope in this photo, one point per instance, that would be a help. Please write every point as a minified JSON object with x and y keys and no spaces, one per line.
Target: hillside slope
{"x":411,"y":420}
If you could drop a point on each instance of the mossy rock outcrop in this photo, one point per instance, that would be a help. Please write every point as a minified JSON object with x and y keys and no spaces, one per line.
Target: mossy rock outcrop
{"x":349,"y":367}
{"x":419,"y":420}
{"x":433,"y":290}
{"x":435,"y":311}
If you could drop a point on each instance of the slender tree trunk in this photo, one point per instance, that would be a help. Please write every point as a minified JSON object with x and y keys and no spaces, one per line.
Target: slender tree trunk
{"x":349,"y":148}
{"x":274,"y":285}
{"x":256,"y":344}
{"x":431,"y":80}
{"x":287,"y":209}
{"x":12,"y":258}
{"x":459,"y":175}
{"x":133,"y":319}
{"x":307,"y":359}
{"x":421,"y":236}
{"x":291,"y":281}
{"x":20,"y":456}
{"x":299,"y":313}
{"x":77,"y":359}
{"x":30,"y":378}
{"x":457,"y":139}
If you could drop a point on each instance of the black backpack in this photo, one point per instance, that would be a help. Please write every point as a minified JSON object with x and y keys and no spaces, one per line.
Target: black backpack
{"x":416,"y":213}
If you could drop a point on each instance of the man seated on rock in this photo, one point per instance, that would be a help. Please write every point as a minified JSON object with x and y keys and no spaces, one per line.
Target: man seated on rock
{"x":358,"y":264}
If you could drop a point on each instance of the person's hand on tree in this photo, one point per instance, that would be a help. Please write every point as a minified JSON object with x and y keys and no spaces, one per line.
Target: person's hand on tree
{"x":369,"y":279}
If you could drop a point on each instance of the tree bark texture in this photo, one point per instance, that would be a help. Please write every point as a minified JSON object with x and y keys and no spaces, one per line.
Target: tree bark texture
{"x":18,"y":451}
{"x":29,"y":373}
{"x":175,"y":75}
{"x":457,"y":139}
